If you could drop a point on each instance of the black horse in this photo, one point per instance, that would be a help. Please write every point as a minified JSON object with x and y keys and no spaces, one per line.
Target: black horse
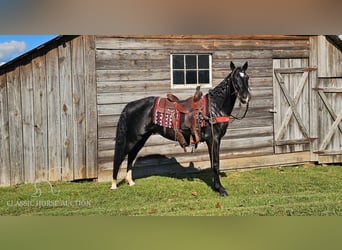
{"x":135,"y":125}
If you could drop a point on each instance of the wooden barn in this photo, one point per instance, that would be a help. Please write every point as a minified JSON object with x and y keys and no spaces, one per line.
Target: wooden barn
{"x":60,"y":103}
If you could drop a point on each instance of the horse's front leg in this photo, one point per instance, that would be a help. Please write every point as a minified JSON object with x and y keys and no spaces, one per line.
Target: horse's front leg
{"x":214,"y":153}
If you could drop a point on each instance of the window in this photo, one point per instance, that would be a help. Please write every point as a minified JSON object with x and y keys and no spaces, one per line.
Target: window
{"x":190,"y":70}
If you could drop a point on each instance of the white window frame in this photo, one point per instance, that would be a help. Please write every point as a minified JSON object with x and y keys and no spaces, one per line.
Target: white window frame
{"x":185,"y":85}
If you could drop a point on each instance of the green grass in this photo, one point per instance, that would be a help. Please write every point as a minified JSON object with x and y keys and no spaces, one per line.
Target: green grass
{"x":276,"y":191}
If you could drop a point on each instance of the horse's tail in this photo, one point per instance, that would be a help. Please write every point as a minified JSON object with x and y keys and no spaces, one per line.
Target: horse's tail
{"x":120,"y":144}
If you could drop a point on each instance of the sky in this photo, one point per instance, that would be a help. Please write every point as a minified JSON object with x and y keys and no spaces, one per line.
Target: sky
{"x":12,"y":46}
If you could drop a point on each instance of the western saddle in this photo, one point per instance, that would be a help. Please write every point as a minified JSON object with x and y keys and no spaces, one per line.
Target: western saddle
{"x":191,"y":108}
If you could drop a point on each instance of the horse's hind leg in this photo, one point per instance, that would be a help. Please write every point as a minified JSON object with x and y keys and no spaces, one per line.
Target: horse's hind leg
{"x":132,"y":153}
{"x":120,"y":147}
{"x":131,"y":157}
{"x":116,"y":167}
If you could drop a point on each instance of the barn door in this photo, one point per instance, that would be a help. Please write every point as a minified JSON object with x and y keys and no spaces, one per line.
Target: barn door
{"x":329,"y":113}
{"x":291,"y":105}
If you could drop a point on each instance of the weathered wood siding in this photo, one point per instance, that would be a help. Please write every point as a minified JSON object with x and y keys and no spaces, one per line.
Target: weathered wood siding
{"x":5,"y":170}
{"x":291,"y":95}
{"x":328,"y":94}
{"x":48,"y":128}
{"x":329,"y":59}
{"x":129,"y":68}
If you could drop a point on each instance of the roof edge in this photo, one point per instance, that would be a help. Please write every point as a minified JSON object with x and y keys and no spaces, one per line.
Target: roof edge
{"x":335,"y":40}
{"x":35,"y":52}
{"x":210,"y":36}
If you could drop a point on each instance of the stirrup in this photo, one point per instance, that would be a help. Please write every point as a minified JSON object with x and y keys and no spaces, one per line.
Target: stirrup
{"x":181,"y":140}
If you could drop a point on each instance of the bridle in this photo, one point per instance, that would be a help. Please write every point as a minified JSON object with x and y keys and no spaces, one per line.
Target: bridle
{"x":236,"y":92}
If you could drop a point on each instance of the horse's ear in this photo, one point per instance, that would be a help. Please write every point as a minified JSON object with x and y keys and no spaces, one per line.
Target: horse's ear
{"x":232,"y":66}
{"x":245,"y":66}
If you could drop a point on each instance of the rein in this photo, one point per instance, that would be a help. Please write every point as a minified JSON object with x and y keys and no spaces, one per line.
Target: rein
{"x":243,"y":116}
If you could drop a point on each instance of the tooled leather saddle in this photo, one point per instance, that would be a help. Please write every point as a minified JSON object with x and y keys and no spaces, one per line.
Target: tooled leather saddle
{"x":171,"y":112}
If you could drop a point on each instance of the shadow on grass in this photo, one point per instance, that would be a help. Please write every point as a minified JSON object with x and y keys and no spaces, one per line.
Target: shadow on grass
{"x":160,"y":165}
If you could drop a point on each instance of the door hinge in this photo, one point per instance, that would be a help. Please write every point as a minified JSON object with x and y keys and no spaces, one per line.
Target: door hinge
{"x":309,"y":69}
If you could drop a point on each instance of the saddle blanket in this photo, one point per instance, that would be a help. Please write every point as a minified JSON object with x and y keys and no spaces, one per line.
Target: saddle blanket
{"x":166,"y":115}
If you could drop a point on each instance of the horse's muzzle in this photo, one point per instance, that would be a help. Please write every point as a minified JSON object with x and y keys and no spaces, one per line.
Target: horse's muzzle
{"x":246,"y":99}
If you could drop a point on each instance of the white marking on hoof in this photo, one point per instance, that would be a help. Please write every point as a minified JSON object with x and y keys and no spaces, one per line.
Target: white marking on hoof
{"x":131,"y":183}
{"x":114,"y":186}
{"x":129,"y":178}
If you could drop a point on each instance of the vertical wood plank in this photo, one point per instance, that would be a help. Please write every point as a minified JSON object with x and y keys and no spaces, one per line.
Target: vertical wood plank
{"x":54,"y":119}
{"x":28,"y":122}
{"x":67,"y":134}
{"x":314,"y":107}
{"x":322,"y":57}
{"x":333,"y":141}
{"x":325,"y":120}
{"x":306,"y":102}
{"x":77,"y":63}
{"x":338,"y":107}
{"x":40,"y":119}
{"x":277,"y":105}
{"x":5,"y":167}
{"x":284,"y":63}
{"x":90,"y":106}
{"x":296,"y":132}
{"x":15,"y":127}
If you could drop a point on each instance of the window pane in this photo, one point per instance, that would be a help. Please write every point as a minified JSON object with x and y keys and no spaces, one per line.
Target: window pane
{"x":203,"y":76}
{"x":178,"y":77}
{"x":191,"y":77}
{"x":190,"y":61}
{"x":178,"y":61}
{"x":190,"y":69}
{"x":203,"y":61}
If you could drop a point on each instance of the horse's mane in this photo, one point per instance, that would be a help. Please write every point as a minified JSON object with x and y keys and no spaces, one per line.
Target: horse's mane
{"x":220,"y":91}
{"x":223,"y":87}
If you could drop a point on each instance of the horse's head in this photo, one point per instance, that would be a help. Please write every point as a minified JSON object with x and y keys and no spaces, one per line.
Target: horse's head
{"x":239,"y":80}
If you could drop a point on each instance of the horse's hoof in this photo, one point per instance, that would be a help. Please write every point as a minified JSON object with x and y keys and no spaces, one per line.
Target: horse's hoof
{"x":223,"y":193}
{"x":114,"y":185}
{"x":131,"y":183}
